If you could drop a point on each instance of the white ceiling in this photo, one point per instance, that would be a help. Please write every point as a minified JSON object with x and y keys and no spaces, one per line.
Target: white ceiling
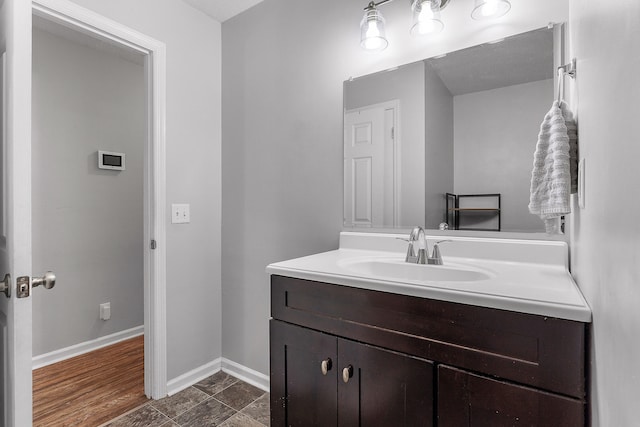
{"x":518,"y":59}
{"x":222,"y":10}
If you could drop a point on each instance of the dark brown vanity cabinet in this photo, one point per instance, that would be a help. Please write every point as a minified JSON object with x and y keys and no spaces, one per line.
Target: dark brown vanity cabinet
{"x":329,"y":381}
{"x":343,"y":356}
{"x":466,"y":399}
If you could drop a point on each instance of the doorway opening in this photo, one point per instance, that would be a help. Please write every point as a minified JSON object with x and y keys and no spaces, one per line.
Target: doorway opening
{"x":87,"y":222}
{"x":67,"y":20}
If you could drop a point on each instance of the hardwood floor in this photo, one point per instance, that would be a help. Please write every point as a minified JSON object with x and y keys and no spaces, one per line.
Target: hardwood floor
{"x":90,"y":389}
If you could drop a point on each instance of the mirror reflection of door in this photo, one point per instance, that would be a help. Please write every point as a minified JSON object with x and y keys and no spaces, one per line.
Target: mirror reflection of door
{"x":370,"y":157}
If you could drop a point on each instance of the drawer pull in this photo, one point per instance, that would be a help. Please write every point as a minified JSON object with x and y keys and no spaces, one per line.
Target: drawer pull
{"x":325,"y":365}
{"x":347,"y":373}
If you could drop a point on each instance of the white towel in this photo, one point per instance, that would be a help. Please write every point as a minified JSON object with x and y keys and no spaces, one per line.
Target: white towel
{"x":554,"y":175}
{"x":572,"y":131}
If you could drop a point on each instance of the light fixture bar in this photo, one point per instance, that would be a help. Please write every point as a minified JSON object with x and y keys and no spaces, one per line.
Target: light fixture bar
{"x":380,"y":3}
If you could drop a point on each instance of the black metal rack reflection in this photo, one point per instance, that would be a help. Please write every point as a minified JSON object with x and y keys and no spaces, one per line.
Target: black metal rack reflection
{"x":473,"y":211}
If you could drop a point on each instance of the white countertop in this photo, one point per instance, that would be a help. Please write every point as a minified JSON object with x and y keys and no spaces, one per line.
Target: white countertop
{"x":526,"y":276}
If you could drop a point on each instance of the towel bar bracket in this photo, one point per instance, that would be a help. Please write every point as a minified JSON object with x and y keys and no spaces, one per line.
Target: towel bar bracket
{"x":568,"y":69}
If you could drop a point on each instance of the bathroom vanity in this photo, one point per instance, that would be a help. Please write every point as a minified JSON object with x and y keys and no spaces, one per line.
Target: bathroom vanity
{"x":358,"y":337}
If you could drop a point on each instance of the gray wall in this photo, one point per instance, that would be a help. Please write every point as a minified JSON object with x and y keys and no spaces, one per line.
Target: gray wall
{"x":439,"y":167}
{"x":495,"y":135}
{"x":284,"y":63}
{"x":193,"y":132}
{"x":605,"y":248}
{"x":405,"y":84}
{"x":87,"y":223}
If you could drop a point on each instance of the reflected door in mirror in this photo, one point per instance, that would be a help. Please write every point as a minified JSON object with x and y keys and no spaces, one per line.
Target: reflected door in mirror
{"x":368,"y":158}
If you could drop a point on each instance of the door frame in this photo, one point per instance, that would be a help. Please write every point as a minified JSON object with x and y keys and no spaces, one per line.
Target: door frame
{"x":78,"y":18}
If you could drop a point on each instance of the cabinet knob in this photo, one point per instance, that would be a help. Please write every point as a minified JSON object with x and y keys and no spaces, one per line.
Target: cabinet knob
{"x":347,"y":373}
{"x":325,"y":365}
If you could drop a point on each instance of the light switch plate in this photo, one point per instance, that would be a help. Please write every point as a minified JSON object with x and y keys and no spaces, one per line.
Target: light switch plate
{"x":180,"y":213}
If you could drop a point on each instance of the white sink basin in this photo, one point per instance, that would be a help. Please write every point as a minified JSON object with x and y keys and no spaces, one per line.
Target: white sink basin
{"x":527,"y":276}
{"x":399,"y":270}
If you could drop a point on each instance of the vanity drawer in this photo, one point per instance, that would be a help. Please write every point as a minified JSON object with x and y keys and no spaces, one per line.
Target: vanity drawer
{"x":547,"y":353}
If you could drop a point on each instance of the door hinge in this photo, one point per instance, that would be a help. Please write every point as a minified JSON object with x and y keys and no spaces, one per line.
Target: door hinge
{"x":393,"y":133}
{"x":154,"y":244}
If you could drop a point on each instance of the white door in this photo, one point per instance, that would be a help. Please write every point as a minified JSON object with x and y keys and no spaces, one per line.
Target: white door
{"x":370,"y":154}
{"x":15,"y":238}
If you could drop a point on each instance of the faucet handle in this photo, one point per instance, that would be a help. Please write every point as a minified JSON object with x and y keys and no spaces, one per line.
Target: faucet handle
{"x":443,"y":241}
{"x":436,"y":248}
{"x":436,"y":256}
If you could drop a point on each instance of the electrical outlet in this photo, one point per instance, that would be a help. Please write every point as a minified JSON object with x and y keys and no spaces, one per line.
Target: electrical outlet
{"x":105,"y":311}
{"x":180,"y":213}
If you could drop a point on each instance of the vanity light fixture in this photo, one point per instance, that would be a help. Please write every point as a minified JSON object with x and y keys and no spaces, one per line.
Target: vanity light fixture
{"x":372,"y":33}
{"x":426,"y":19}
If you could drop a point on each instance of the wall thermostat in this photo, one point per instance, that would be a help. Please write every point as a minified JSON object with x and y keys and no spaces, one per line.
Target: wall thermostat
{"x":110,"y":160}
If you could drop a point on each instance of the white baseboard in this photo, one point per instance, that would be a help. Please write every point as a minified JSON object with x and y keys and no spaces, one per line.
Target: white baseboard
{"x":245,"y":374}
{"x":232,"y":368}
{"x":192,"y":377}
{"x":84,"y":347}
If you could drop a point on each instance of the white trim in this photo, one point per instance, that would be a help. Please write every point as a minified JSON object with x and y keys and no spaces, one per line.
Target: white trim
{"x":194,"y":376}
{"x":230,"y":367}
{"x":156,"y":265}
{"x":245,"y":374}
{"x":85,"y":347}
{"x":71,"y":15}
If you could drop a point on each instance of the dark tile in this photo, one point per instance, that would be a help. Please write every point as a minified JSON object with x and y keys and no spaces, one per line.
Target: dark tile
{"x":241,"y":420}
{"x":239,"y":395}
{"x":146,"y":416}
{"x":208,"y":413}
{"x":259,"y":410}
{"x":216,"y":383}
{"x":180,"y":402}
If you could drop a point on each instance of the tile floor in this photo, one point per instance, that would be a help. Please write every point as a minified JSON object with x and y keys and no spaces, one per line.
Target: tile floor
{"x":220,"y":400}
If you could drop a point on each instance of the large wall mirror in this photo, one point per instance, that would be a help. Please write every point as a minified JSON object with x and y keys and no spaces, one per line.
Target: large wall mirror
{"x":463,"y":124}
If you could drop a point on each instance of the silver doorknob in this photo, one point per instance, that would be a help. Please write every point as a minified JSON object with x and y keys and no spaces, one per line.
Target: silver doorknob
{"x":48,"y":280}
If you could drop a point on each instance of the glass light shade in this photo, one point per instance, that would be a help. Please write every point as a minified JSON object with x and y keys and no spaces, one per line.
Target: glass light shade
{"x":372,"y":33}
{"x":489,"y":9}
{"x":426,"y":17}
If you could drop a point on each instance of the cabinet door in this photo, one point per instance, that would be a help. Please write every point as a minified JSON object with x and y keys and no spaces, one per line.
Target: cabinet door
{"x":465,"y":399}
{"x":301,"y":395}
{"x":384,"y":388}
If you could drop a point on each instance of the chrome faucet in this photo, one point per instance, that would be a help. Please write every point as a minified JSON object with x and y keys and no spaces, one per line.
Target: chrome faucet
{"x":422,"y":257}
{"x":416,"y":235}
